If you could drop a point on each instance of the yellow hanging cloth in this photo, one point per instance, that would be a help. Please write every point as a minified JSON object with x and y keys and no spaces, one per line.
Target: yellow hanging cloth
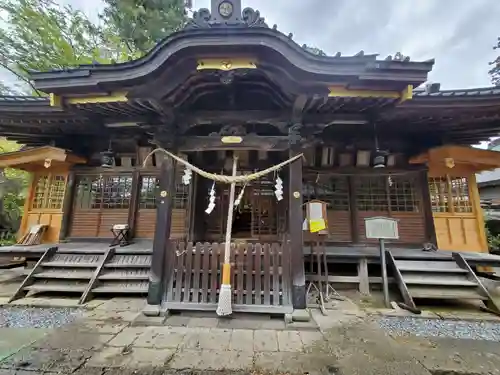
{"x":317,"y":225}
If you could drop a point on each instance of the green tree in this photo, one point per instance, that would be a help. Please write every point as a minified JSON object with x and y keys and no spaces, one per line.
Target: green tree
{"x":13,"y":188}
{"x":495,"y":67}
{"x":140,"y":24}
{"x":40,"y":35}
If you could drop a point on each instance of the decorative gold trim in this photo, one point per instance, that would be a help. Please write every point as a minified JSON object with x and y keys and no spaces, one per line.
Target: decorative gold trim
{"x":55,"y":100}
{"x":231,"y":139}
{"x":226,"y":64}
{"x":119,"y":96}
{"x":407,"y":94}
{"x":342,"y":92}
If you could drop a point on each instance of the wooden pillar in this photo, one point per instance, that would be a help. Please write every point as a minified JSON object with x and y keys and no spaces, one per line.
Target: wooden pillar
{"x":134,"y":202}
{"x":478,"y":212}
{"x":67,"y":208}
{"x":161,"y":242}
{"x":295,"y":219}
{"x":430,"y":230}
{"x":353,"y":209}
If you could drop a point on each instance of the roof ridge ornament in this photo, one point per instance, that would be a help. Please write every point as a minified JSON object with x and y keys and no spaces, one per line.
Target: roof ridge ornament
{"x":226,"y":13}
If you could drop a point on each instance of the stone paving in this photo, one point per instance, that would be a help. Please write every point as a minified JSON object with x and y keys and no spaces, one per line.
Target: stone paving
{"x":106,"y":338}
{"x":112,"y":337}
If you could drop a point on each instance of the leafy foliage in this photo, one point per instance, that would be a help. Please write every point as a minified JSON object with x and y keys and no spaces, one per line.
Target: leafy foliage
{"x":495,"y":70}
{"x":140,"y":24}
{"x":13,"y":187}
{"x":41,"y":35}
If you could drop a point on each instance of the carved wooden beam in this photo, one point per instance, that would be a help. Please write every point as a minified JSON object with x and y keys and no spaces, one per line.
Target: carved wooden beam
{"x":189,"y":120}
{"x":248,"y":142}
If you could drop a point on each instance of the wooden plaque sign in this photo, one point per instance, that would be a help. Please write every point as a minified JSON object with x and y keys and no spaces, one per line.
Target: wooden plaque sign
{"x":316,"y":220}
{"x":381,"y":228}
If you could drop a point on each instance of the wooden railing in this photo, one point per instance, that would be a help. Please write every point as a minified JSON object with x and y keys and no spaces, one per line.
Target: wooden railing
{"x":260,"y":276}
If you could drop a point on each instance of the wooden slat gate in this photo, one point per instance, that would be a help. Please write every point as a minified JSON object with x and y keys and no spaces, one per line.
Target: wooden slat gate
{"x":260,"y":277}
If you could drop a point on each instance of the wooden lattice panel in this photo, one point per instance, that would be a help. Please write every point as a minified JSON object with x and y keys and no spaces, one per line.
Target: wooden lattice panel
{"x":48,"y":192}
{"x":39,"y":195}
{"x":450,"y":194}
{"x":259,"y":275}
{"x":57,"y":188}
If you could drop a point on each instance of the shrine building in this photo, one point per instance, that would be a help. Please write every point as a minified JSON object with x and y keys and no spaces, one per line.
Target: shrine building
{"x":376,"y":141}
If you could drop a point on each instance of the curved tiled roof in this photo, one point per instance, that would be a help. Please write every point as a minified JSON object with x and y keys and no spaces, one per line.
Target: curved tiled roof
{"x":483,"y":91}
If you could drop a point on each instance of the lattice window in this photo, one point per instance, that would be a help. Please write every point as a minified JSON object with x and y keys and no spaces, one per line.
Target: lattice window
{"x":149,"y":191}
{"x":87,"y":189}
{"x":371,"y":193}
{"x":116,"y":192}
{"x":333,"y":190}
{"x":181,"y":195}
{"x":41,"y":186}
{"x":460,"y":197}
{"x":264,"y":208}
{"x":450,"y":194}
{"x":403,"y":194}
{"x":56,"y":192}
{"x":438,"y":189}
{"x":108,"y":192}
{"x":49,"y":192}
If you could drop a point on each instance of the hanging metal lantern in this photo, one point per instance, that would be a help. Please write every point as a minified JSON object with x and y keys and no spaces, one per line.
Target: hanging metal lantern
{"x":108,"y":158}
{"x":379,"y":160}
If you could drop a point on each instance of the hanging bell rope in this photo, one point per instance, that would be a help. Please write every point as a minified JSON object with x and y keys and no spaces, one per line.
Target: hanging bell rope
{"x":223,"y":178}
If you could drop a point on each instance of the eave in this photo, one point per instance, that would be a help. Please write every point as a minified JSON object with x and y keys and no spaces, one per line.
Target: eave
{"x":37,"y":158}
{"x":263,"y":43}
{"x":451,"y":156}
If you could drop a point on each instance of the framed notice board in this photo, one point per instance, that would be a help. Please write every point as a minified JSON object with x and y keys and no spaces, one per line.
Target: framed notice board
{"x":316,"y":220}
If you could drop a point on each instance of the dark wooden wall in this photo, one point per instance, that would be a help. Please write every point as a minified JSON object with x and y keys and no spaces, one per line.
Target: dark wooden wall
{"x":357,"y":195}
{"x":104,"y":197}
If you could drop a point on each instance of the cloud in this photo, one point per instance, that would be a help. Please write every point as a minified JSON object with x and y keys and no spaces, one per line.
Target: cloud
{"x":458,"y":34}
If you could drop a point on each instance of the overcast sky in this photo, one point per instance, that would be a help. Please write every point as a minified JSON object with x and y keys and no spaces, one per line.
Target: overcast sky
{"x":459,"y":34}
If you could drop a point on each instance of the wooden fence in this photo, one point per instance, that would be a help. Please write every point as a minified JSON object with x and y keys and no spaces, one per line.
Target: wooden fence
{"x":260,"y":277}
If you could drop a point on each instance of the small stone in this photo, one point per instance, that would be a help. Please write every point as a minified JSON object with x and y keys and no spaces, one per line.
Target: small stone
{"x":395,"y":306}
{"x":301,"y":315}
{"x":151,"y":310}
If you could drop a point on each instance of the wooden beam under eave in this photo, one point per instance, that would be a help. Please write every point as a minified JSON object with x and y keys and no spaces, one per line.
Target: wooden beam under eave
{"x":249,"y":142}
{"x":35,"y":158}
{"x":477,"y":159}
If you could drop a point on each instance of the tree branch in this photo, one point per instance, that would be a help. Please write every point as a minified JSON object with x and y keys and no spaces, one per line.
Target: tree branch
{"x":21,"y":77}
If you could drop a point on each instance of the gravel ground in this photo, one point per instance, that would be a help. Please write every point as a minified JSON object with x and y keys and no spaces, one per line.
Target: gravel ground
{"x":34,"y":317}
{"x":458,"y":329}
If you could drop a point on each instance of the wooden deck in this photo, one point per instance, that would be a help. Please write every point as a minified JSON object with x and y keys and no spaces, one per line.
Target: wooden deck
{"x":339,"y":253}
{"x":126,"y":269}
{"x":96,"y":247}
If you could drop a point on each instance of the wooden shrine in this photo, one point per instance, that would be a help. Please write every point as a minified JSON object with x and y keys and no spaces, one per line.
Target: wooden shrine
{"x":376,"y":141}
